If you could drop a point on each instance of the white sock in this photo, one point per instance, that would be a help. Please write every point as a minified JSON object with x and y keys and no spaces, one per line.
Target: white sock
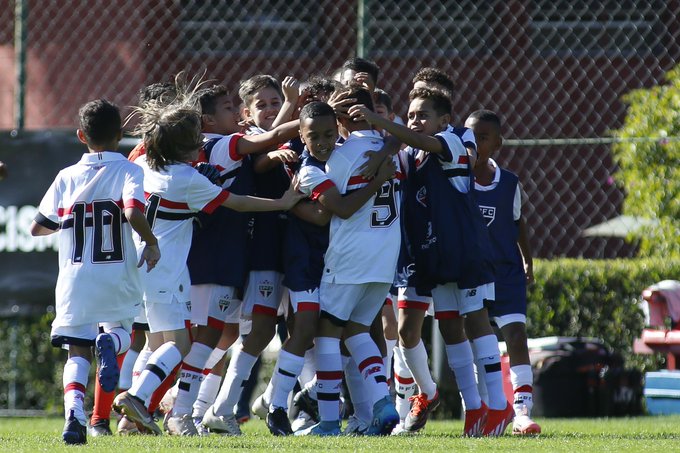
{"x":121,"y":338}
{"x":160,"y":364}
{"x":75,"y":376}
{"x":309,"y":369}
{"x":311,"y":388}
{"x":489,"y":359}
{"x":215,"y":356}
{"x":328,"y":378}
{"x":404,"y":385}
{"x":522,"y":379}
{"x":416,"y":360}
{"x":190,"y":377}
{"x":390,"y":354}
{"x":287,"y":369}
{"x":206,"y":394}
{"x":460,"y":361}
{"x":125,"y":380}
{"x":371,"y":366}
{"x":358,"y":391}
{"x":238,"y":372}
{"x":140,"y":364}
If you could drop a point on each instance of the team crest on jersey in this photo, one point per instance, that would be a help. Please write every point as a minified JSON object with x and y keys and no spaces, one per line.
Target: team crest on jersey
{"x":421,"y":196}
{"x":223,"y":304}
{"x":266,"y":289}
{"x":489,"y":213}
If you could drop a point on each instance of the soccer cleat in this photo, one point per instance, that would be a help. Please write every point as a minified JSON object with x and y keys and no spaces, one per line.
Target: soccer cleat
{"x":127,"y":427}
{"x":260,"y":407}
{"x":355,"y":426}
{"x":134,"y":409}
{"x":302,"y":422}
{"x":385,"y":418}
{"x":475,"y":420}
{"x":523,"y":425}
{"x":278,"y":422}
{"x":421,"y":408}
{"x":74,"y":432}
{"x":107,"y":365}
{"x":99,"y":428}
{"x":181,"y":425}
{"x":321,"y":429}
{"x":399,"y":430}
{"x":498,"y":420}
{"x":226,"y":426}
{"x":200,"y":429}
{"x":304,"y":401}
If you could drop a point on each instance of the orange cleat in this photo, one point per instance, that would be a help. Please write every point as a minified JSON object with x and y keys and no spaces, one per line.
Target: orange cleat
{"x":498,"y":421}
{"x":475,"y":421}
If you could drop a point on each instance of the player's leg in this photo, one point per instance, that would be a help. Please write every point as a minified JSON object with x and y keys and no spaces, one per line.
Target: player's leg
{"x":79,"y":341}
{"x":390,"y":330}
{"x":305,"y":305}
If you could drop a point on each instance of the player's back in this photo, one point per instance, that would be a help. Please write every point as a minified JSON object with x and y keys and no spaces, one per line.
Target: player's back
{"x":364,"y":247}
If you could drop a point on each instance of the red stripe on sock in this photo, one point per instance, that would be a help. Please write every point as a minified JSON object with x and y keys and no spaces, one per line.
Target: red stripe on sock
{"x":413,"y":305}
{"x":524,"y":389}
{"x":328,"y":375}
{"x":370,"y":361}
{"x":207,"y":371}
{"x":158,"y":395}
{"x":403,"y":380}
{"x":187,"y":367}
{"x":307,"y":306}
{"x":77,"y":386}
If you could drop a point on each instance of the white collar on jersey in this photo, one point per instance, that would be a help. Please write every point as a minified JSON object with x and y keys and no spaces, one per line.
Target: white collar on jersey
{"x":496,"y":178}
{"x":104,"y":156}
{"x":208,"y":135}
{"x":369,"y":133}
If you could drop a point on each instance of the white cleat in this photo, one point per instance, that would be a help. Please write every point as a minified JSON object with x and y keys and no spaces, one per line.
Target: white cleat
{"x":218,"y":424}
{"x":355,"y":426}
{"x":260,"y":407}
{"x":181,"y":425}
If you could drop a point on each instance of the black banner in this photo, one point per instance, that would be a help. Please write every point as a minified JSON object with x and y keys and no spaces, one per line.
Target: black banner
{"x":28,"y":265}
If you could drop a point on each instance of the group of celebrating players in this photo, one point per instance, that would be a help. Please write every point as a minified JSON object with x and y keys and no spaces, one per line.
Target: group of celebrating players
{"x":310,"y":201}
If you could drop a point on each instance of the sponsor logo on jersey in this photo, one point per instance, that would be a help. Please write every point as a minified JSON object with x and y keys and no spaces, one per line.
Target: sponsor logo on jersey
{"x":430,"y":239}
{"x":489,"y":213}
{"x":421,"y":196}
{"x":266,"y":289}
{"x":471,"y":293}
{"x":223,"y":304}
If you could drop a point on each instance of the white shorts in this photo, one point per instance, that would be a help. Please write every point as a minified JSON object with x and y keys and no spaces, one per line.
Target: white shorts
{"x":359,"y":303}
{"x":449,"y":299}
{"x":214,"y":305}
{"x":409,"y":299}
{"x":304,"y":300}
{"x":141,"y":318}
{"x":85,"y":334}
{"x":504,"y":320}
{"x":263,"y":293}
{"x":165,"y":317}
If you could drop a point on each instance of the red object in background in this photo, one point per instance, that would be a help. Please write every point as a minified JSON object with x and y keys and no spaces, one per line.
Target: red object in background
{"x":662,"y":301}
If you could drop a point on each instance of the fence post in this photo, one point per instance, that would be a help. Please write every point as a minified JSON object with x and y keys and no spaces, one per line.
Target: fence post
{"x":361,"y":28}
{"x":20,"y":44}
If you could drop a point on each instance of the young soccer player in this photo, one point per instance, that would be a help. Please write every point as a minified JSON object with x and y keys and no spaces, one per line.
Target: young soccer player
{"x":94,"y":205}
{"x":217,"y":284}
{"x":360,"y":71}
{"x":451,"y":253}
{"x":176,"y":191}
{"x":499,"y":196}
{"x":358,"y":272}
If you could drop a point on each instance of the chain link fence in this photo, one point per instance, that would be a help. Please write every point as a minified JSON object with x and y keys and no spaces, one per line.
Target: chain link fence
{"x":550,"y":68}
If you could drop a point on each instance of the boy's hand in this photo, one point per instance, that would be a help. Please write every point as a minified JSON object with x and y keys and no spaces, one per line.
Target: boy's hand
{"x":291,"y":89}
{"x":363,"y":78}
{"x":151,"y":254}
{"x":369,"y":169}
{"x":340,"y":103}
{"x":284,"y":155}
{"x":529,"y":272}
{"x":362,"y":113}
{"x":209,"y":171}
{"x":292,"y":195}
{"x":387,"y":170}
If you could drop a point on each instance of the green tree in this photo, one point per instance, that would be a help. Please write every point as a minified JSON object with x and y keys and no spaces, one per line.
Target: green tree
{"x":650,"y":171}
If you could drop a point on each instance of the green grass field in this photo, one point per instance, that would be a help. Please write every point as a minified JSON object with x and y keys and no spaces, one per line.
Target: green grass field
{"x":658,"y":434}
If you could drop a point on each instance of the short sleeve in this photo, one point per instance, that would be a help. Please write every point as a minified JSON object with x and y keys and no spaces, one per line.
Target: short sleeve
{"x":133,"y":188}
{"x":48,"y":211}
{"x":224,"y":153}
{"x":202,"y":195}
{"x":453,"y":149}
{"x":467,"y":136}
{"x":517,"y":204}
{"x":313,"y":181}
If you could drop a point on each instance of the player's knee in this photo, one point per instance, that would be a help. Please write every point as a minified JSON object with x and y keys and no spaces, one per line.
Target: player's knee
{"x":515,"y":335}
{"x":408,"y":337}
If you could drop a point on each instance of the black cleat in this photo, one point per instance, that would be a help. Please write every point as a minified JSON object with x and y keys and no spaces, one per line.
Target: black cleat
{"x":304,"y":401}
{"x":278,"y":422}
{"x":100,"y":428}
{"x":74,"y":433}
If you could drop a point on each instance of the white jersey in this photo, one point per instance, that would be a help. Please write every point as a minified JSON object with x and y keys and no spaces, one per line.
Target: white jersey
{"x":454,"y":159}
{"x":221,"y":152}
{"x":173,"y":196}
{"x":98,"y":279}
{"x":365,"y":247}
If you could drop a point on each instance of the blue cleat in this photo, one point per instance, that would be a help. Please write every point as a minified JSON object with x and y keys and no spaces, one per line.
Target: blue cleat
{"x":74,"y":432}
{"x":321,"y":429}
{"x":385,"y":418}
{"x":107,"y":364}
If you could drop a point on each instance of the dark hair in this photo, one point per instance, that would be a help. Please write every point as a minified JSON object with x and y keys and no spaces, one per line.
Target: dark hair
{"x":441,"y":102}
{"x":100,"y":121}
{"x":316,"y":109}
{"x":158,"y":91}
{"x":362,"y":65}
{"x":358,"y":92}
{"x":436,"y":76}
{"x":486,"y":116}
{"x":249,"y":87}
{"x":207,"y":98}
{"x":318,"y":86}
{"x":382,"y":97}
